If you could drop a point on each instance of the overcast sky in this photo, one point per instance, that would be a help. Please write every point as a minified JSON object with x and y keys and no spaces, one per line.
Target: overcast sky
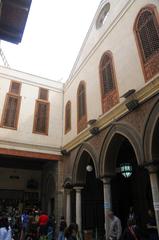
{"x":52,"y":38}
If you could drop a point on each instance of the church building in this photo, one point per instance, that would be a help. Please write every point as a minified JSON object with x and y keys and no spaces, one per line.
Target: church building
{"x":91,"y":144}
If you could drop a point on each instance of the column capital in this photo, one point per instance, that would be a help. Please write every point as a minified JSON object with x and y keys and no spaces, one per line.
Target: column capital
{"x":106,"y":179}
{"x":68,"y":190}
{"x":78,"y":188}
{"x":152,"y":167}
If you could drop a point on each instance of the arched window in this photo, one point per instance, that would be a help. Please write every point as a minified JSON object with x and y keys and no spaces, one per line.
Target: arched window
{"x":147,"y":34}
{"x":108,"y":83}
{"x":68,"y":117}
{"x":81,"y":107}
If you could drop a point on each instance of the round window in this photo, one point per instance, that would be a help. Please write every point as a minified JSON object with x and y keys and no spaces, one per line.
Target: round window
{"x":102,"y":15}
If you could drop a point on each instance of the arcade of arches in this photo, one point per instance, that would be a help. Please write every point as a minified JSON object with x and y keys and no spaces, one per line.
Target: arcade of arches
{"x":91,"y":194}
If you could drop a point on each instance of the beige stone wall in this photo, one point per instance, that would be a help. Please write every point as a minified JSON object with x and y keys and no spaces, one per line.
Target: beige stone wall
{"x":117,"y":36}
{"x":23,"y":138}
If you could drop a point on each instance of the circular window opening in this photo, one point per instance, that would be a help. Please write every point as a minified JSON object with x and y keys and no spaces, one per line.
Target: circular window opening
{"x":102,"y":15}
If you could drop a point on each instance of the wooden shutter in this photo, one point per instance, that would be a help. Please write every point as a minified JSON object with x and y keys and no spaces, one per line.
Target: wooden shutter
{"x":43,"y":94}
{"x":108,"y":83}
{"x":81,"y":107}
{"x":81,"y":102}
{"x":68,"y":117}
{"x":107,"y":74}
{"x":109,"y":91}
{"x":148,"y":32}
{"x":15,"y":87}
{"x":11,"y":111}
{"x":41,"y":117}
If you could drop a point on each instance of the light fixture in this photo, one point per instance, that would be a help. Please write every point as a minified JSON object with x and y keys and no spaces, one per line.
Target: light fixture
{"x":64,"y":152}
{"x":91,"y":121}
{"x":126,"y":169}
{"x":89,"y":168}
{"x":132,"y":104}
{"x":128,"y":93}
{"x":94,"y":130}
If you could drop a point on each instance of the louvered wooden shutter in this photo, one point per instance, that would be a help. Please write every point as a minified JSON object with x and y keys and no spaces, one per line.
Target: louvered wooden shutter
{"x":15,"y":87}
{"x":42,"y":117}
{"x":43,"y":94}
{"x":81,"y":102}
{"x":11,"y":111}
{"x":148,"y":31}
{"x":108,"y":83}
{"x":68,"y":116}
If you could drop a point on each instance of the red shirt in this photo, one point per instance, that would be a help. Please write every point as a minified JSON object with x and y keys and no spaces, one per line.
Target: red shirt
{"x":43,"y":219}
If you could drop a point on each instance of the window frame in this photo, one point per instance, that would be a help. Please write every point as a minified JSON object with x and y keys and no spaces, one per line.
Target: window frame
{"x":81,"y":122}
{"x":150,"y":67}
{"x":110,"y":98}
{"x":67,"y":127}
{"x":47,"y":95}
{"x":37,"y":102}
{"x":9,"y":94}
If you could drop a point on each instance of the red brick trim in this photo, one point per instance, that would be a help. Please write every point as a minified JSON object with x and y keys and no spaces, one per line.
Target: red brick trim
{"x":110,"y":99}
{"x":150,"y":67}
{"x":81,"y":123}
{"x":28,"y":154}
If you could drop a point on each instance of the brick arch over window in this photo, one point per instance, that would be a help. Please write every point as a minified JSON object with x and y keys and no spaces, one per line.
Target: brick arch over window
{"x":81,"y":107}
{"x":146,"y":30}
{"x":109,"y":91}
{"x":68,"y":117}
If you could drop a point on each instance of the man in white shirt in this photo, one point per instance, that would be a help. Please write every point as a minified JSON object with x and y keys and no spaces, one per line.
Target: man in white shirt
{"x":115,"y":229}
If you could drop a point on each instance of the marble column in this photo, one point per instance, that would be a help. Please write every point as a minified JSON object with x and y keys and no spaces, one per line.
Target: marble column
{"x":107,"y":202}
{"x":78,"y":208}
{"x":155,"y":192}
{"x":68,"y":206}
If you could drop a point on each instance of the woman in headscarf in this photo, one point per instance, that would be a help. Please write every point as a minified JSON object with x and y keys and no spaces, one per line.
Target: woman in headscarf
{"x":5,"y":229}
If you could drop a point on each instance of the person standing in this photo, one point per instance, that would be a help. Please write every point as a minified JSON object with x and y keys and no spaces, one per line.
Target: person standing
{"x":43,"y":225}
{"x":5,"y":229}
{"x":71,"y":232}
{"x":132,"y":231}
{"x":115,"y":229}
{"x":151,"y":226}
{"x":62,"y":227}
{"x":25,"y":224}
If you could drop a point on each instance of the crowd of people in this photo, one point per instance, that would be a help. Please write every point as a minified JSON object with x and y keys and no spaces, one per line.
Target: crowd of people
{"x":30,"y":225}
{"x":37,"y":225}
{"x":132,"y":231}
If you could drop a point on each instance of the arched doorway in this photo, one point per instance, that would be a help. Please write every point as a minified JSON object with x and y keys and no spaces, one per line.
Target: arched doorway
{"x":129,"y":192}
{"x":92,"y":201}
{"x":50,"y":195}
{"x":151,"y":150}
{"x":155,"y":143}
{"x":122,"y":145}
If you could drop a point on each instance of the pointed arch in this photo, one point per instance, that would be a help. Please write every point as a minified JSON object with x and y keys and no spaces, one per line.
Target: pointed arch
{"x":146,"y":29}
{"x":109,"y":91}
{"x":81,"y":107}
{"x":84,"y":155}
{"x":116,"y":133}
{"x":151,"y":128}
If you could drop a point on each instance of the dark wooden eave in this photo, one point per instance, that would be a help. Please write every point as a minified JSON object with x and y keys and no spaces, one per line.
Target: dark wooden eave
{"x":13,"y":17}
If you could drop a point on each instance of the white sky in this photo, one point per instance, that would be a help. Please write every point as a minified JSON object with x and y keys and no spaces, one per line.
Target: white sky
{"x":52,"y":37}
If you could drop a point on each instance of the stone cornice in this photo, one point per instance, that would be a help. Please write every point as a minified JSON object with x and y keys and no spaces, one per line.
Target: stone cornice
{"x":9,"y":77}
{"x":148,"y":91}
{"x":29,"y":147}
